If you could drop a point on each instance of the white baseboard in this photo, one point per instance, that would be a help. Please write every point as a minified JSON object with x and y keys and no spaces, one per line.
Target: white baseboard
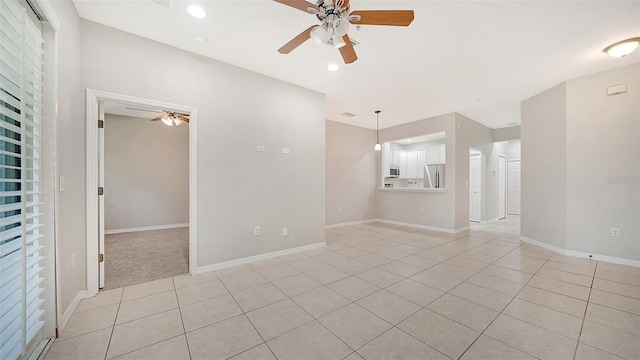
{"x":146,"y":228}
{"x":580,"y":254}
{"x":360,"y":222}
{"x":255,"y":258}
{"x":489,"y":221}
{"x":64,"y":319}
{"x":425,"y":227}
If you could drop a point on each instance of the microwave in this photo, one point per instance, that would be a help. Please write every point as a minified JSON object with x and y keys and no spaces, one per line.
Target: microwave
{"x":394,"y":172}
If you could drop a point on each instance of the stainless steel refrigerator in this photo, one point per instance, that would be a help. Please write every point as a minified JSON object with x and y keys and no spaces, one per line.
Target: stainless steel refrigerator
{"x":434,"y":176}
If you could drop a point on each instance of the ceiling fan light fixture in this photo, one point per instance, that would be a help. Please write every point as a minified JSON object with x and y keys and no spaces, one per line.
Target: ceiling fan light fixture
{"x":623,"y":48}
{"x":177,"y":121}
{"x":338,"y":41}
{"x":196,"y":11}
{"x":167,"y":120}
{"x":341,"y":27}
{"x":320,"y":35}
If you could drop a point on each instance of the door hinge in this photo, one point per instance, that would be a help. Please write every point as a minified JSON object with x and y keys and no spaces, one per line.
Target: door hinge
{"x":100,"y":124}
{"x":100,"y":258}
{"x":100,"y":190}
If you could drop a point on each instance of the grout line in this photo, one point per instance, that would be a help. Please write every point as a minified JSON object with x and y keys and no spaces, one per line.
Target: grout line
{"x":584,"y":315}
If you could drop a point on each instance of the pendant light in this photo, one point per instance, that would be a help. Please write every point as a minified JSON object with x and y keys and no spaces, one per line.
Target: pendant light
{"x":377,"y":147}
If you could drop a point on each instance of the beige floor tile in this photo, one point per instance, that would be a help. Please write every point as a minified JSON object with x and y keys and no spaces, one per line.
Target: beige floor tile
{"x":553,"y":300}
{"x":103,"y":298}
{"x":494,"y":283}
{"x":260,"y":352}
{"x":419,"y":261}
{"x":379,"y":277}
{"x":531,"y":339}
{"x":276,"y":272}
{"x":84,"y":347}
{"x":402,"y":269}
{"x":172,"y":349}
{"x":331,"y":258}
{"x":208,"y":312}
{"x":143,"y":332}
{"x":148,"y":288}
{"x":586,"y":268}
{"x":507,"y":274}
{"x":354,"y":325}
{"x":321,"y":301}
{"x":392,"y":253}
{"x":243,"y":280}
{"x":442,"y":334}
{"x":517,"y":265}
{"x":569,"y":277}
{"x":181,"y":281}
{"x":353,"y":266}
{"x":552,"y":320}
{"x":233,"y":270}
{"x":296,"y":284}
{"x":469,"y":264}
{"x":90,"y":320}
{"x":415,"y":292}
{"x":617,"y":288}
{"x":389,"y":306}
{"x":613,"y":318}
{"x":195,"y":293}
{"x":308,"y":264}
{"x":396,"y":344}
{"x":145,"y":306}
{"x":619,"y":302}
{"x":611,"y":340}
{"x":586,"y":352}
{"x":224,"y":339}
{"x":276,"y":319}
{"x":465,"y":312}
{"x":374,"y":259}
{"x":293,"y":257}
{"x":478,"y":256}
{"x":261,"y":264}
{"x":327,"y":274}
{"x":486,"y":348}
{"x":353,"y":288}
{"x":311,"y":341}
{"x":352,"y":252}
{"x":481,"y":296}
{"x":560,"y":287}
{"x":434,"y":255}
{"x":436,"y":280}
{"x":354,"y":356}
{"x":258,"y":296}
{"x":632,"y":271}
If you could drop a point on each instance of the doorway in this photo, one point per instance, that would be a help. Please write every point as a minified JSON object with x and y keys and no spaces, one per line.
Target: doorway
{"x":502,"y":187}
{"x":95,"y":179}
{"x":475,"y":183}
{"x":514,"y":188}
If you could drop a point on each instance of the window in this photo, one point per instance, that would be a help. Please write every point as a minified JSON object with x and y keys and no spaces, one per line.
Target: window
{"x":21,"y":181}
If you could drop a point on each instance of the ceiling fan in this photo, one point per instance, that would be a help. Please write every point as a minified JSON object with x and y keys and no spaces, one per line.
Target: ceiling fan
{"x":335,"y":17}
{"x":168,"y":117}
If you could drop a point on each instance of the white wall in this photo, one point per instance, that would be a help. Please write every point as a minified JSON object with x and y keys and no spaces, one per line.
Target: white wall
{"x":603,"y":142}
{"x":514,"y":150}
{"x":146,"y":173}
{"x":496,"y":150}
{"x":506,"y":134}
{"x":350,"y":173}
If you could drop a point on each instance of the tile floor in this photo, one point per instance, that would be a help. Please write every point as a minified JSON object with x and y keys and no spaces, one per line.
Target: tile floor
{"x":376,"y":291}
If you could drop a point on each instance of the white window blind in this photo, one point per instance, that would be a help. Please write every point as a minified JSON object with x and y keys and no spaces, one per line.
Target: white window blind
{"x":21,"y":198}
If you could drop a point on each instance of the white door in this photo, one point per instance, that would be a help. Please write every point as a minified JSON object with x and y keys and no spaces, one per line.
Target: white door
{"x":513,"y":199}
{"x":502,"y":187}
{"x":100,"y":197}
{"x":474,"y":188}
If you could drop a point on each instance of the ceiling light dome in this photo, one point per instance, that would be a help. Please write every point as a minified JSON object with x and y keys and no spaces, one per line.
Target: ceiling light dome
{"x":623,"y":48}
{"x":320,"y":35}
{"x":338,"y":41}
{"x":341,"y":26}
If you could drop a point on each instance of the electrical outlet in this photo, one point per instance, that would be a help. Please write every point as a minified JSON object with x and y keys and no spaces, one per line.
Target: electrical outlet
{"x":615,"y":232}
{"x":285,"y":231}
{"x":256,"y":231}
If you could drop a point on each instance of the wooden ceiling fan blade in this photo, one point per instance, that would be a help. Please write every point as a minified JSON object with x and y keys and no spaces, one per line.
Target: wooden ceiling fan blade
{"x":348,"y":53}
{"x":296,"y":41}
{"x":300,"y":5}
{"x":184,"y":118}
{"x":382,"y":17}
{"x":158,"y":117}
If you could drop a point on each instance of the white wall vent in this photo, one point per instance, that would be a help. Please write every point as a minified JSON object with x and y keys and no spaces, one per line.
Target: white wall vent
{"x":617,"y":89}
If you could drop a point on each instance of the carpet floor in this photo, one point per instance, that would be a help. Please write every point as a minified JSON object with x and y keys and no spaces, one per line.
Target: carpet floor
{"x":137,"y":257}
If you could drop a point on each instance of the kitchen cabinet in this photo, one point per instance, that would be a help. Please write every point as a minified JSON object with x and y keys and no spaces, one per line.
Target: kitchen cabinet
{"x":395,"y":157}
{"x":422,"y":161}
{"x":435,"y":155}
{"x":402,"y":155}
{"x":412,"y":164}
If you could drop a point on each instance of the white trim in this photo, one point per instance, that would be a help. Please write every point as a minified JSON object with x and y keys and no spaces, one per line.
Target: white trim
{"x":64,"y":319}
{"x":255,"y":258}
{"x":49,"y":14}
{"x":580,"y":254}
{"x":489,"y":221}
{"x":359,"y":222}
{"x":425,"y":227}
{"x":92,"y":98}
{"x":145,"y":228}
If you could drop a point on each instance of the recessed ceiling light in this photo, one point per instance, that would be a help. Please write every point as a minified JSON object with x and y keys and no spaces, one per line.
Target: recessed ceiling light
{"x":333,"y":67}
{"x":199,"y":39}
{"x":348,"y":114}
{"x":623,"y":48}
{"x":196,"y":11}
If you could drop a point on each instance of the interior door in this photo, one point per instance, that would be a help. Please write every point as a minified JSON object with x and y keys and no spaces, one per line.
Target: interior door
{"x":474,"y":188}
{"x":502,"y":187}
{"x":514,"y":188}
{"x":100,"y":194}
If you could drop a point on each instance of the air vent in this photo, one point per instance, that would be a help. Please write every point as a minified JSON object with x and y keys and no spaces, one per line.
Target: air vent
{"x":353,"y":42}
{"x":164,"y":3}
{"x":348,"y":114}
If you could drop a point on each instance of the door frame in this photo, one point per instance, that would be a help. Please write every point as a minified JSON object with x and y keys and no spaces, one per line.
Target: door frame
{"x":93,"y":97}
{"x":480,"y":185}
{"x":504,"y":177}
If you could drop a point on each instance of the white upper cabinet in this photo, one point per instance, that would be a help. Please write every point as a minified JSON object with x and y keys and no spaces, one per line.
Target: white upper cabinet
{"x":436,"y":155}
{"x":412,"y":164}
{"x":403,"y":163}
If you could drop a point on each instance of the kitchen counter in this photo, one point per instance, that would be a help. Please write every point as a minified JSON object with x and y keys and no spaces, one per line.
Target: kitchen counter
{"x":412,"y":189}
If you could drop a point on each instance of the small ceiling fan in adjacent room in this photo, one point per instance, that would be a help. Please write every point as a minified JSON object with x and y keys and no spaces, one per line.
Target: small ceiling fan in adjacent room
{"x":168,"y":117}
{"x":335,"y":16}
